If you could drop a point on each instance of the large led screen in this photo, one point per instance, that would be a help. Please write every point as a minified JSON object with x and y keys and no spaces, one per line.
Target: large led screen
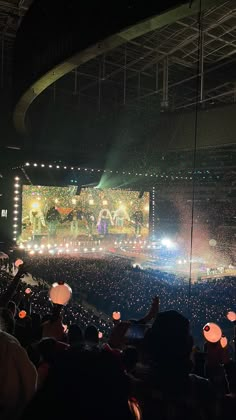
{"x":64,"y":213}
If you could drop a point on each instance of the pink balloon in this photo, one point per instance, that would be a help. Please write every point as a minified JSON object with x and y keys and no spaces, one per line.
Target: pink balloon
{"x":212,"y":332}
{"x":22,"y":314}
{"x":231,"y":316}
{"x":18,"y":262}
{"x":28,"y":290}
{"x":100,"y":334}
{"x":116,"y":316}
{"x":60,"y":293}
{"x":223,"y":342}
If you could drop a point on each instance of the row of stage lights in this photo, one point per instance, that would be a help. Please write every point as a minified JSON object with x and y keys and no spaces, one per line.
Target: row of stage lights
{"x":153,"y":211}
{"x":16,"y":207}
{"x":43,"y":250}
{"x":171,"y":176}
{"x":69,"y":247}
{"x":54,"y":166}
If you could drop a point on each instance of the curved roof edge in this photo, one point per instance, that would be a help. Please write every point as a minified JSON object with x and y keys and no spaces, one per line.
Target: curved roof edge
{"x":128,"y":34}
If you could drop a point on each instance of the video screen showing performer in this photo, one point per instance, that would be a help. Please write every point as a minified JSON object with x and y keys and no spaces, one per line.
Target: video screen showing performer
{"x":59,"y":214}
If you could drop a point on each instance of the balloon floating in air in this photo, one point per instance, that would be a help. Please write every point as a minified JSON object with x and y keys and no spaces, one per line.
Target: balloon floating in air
{"x":231,"y":316}
{"x":18,"y":262}
{"x":60,"y":293}
{"x":212,"y":332}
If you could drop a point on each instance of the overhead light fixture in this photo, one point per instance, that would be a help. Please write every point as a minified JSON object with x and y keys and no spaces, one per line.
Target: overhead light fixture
{"x":13,"y":147}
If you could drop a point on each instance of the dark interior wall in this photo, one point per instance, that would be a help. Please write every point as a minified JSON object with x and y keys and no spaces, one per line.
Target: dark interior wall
{"x":215,"y":127}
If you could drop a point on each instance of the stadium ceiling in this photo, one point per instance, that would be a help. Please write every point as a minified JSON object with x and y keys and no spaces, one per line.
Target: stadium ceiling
{"x":163,"y":63}
{"x":11,"y":13}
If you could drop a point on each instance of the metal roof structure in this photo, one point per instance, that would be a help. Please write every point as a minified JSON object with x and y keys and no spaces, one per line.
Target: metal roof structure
{"x":164,"y":63}
{"x":166,"y":70}
{"x":11,"y":14}
{"x":159,"y":66}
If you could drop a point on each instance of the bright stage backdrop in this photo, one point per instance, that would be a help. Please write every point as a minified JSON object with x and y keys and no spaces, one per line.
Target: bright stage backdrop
{"x":62,"y":213}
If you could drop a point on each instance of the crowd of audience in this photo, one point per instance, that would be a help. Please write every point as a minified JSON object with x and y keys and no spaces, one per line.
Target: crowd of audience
{"x":55,"y":364}
{"x":111,"y":284}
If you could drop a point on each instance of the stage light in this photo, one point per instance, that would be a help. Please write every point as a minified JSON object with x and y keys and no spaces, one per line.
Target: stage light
{"x":65,"y":167}
{"x":17,"y":178}
{"x":16,"y":205}
{"x":42,"y":165}
{"x":15,"y":225}
{"x":35,"y":164}
{"x":17,"y":185}
{"x":50,"y":166}
{"x":58,"y":167}
{"x":16,"y":192}
{"x":167,"y":242}
{"x":16,"y":198}
{"x":27,"y":164}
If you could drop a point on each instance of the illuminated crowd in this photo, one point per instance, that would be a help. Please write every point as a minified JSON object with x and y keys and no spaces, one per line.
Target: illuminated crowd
{"x":111,"y":283}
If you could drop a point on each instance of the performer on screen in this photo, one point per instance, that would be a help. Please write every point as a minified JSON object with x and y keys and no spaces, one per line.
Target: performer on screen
{"x":104,"y":222}
{"x":74,"y":217}
{"x":137,"y":220}
{"x":120,"y":216}
{"x":53,"y":218}
{"x":37,"y":221}
{"x":89,"y":221}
